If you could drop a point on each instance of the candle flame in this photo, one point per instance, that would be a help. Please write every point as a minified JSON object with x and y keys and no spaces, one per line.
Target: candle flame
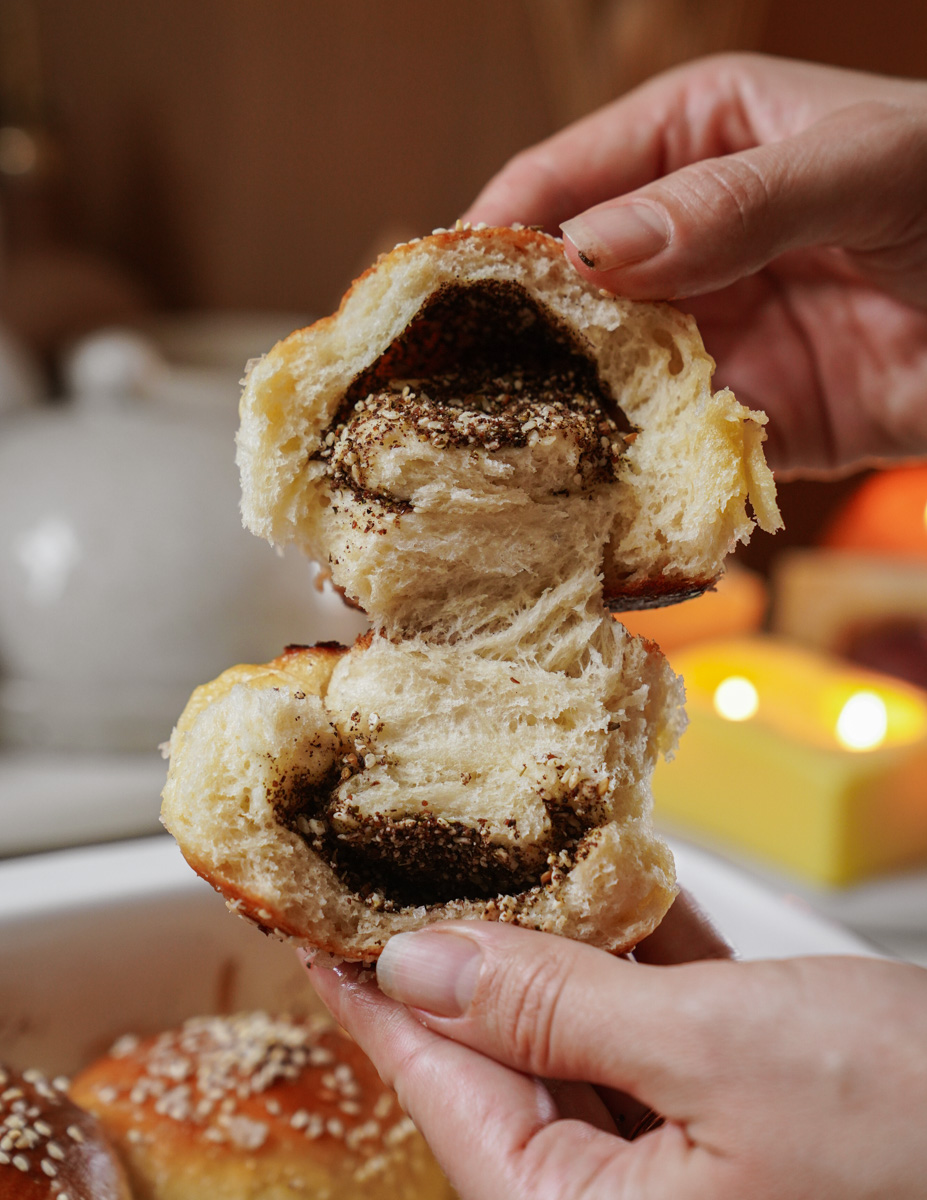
{"x":863,"y":722}
{"x":736,"y":699}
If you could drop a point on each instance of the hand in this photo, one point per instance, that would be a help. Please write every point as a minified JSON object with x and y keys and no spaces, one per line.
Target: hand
{"x":785,"y":201}
{"x":802,"y":1079}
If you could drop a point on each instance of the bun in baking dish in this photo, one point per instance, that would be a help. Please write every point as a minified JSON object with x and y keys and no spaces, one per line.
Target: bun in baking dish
{"x":50,"y":1148}
{"x":475,"y":417}
{"x":253,"y":1107}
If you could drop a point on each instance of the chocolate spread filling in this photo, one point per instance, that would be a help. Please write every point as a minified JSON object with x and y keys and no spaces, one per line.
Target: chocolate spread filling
{"x":423,"y":859}
{"x":480,"y":364}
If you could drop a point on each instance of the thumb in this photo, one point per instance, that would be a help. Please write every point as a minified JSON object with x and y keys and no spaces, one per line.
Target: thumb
{"x":553,"y":1008}
{"x":855,"y":179}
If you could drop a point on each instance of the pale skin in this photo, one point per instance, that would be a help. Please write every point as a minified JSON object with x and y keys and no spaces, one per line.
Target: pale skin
{"x":786,"y":204}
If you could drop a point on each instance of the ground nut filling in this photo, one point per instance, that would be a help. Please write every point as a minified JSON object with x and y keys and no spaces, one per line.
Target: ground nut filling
{"x":481,"y":367}
{"x":394,"y":861}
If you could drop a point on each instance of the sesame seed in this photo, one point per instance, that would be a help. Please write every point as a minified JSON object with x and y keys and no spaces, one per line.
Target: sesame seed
{"x":55,"y":1151}
{"x":75,"y":1134}
{"x":49,"y":1168}
{"x":124,"y":1046}
{"x":20,"y":1162}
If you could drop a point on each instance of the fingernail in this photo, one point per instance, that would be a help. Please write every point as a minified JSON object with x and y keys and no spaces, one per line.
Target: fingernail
{"x":433,"y":971}
{"x":617,"y":235}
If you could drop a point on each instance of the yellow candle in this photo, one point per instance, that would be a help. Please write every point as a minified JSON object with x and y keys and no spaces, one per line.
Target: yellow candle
{"x":800,"y":759}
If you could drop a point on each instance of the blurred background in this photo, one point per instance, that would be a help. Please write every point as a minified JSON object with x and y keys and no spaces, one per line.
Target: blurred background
{"x":183,"y":183}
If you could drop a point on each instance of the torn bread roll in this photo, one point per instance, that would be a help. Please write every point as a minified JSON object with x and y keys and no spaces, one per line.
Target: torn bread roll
{"x":471,"y":418}
{"x":340,"y":796}
{"x":486,"y":454}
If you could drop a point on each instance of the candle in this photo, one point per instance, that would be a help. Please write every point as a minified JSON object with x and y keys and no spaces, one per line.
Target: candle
{"x":887,"y":514}
{"x":800,"y":759}
{"x":867,"y":608}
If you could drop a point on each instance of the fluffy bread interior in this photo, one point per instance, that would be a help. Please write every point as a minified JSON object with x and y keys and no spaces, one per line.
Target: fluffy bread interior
{"x":339,"y":797}
{"x":475,"y":372}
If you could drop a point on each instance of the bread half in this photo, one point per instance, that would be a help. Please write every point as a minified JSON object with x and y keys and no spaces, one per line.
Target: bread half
{"x":476,"y":417}
{"x":340,"y":796}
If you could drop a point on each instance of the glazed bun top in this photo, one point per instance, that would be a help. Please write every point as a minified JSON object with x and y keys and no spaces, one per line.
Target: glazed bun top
{"x":255,"y":1106}
{"x":475,"y":374}
{"x":49,"y":1148}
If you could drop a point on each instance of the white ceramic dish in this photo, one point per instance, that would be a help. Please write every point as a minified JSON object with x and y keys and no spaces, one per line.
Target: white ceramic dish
{"x":110,"y":939}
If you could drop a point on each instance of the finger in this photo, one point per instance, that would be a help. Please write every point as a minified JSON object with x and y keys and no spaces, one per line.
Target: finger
{"x":555,"y":1008}
{"x":715,"y":106}
{"x":855,"y":180}
{"x":497,"y":1133}
{"x":685,"y":934}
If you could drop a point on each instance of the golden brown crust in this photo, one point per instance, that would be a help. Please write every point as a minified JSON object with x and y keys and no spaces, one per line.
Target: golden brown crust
{"x":51,"y":1148}
{"x":654,"y":593}
{"x":249,"y":1106}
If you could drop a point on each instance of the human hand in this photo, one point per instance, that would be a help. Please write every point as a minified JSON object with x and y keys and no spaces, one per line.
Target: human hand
{"x":785,"y":202}
{"x":801,"y":1079}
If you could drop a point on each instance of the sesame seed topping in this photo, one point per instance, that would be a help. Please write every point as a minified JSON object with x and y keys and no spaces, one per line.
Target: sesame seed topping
{"x":20,"y":1162}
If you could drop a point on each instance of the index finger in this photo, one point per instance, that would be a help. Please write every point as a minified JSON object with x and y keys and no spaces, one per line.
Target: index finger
{"x":705,"y":109}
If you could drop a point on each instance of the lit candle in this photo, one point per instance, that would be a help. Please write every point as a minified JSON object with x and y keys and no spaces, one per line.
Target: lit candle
{"x":798,"y":758}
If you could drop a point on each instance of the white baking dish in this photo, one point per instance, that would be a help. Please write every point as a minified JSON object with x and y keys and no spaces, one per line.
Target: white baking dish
{"x":105,"y":940}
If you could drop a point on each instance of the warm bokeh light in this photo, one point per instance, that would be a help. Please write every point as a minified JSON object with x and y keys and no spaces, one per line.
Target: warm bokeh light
{"x":887,"y":514}
{"x":863,"y":722}
{"x":736,"y":698}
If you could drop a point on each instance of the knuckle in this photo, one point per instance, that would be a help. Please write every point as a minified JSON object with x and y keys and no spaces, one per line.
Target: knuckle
{"x":732,"y":190}
{"x":531,"y":1010}
{"x":411,"y":1076}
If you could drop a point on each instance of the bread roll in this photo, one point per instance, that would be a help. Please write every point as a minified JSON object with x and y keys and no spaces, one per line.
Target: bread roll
{"x":49,"y":1148}
{"x":486,"y":453}
{"x":251,"y":1107}
{"x":337,"y":797}
{"x":476,"y":417}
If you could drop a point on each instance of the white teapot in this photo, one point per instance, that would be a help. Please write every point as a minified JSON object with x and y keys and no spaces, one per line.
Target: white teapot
{"x":126,"y":578}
